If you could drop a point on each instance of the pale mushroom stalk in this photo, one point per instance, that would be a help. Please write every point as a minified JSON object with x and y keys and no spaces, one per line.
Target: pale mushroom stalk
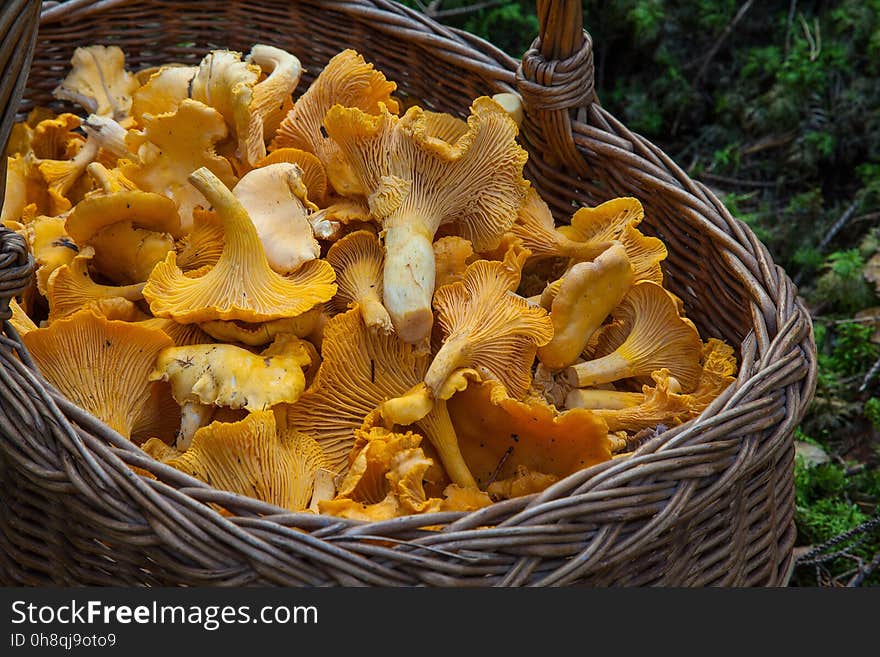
{"x":409,"y":276}
{"x":438,"y":427}
{"x":454,"y":354}
{"x":193,"y":416}
{"x":593,"y":398}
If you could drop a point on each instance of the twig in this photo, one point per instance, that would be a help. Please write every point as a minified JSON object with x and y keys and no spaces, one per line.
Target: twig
{"x":872,"y":373}
{"x":738,"y":181}
{"x":467,"y":9}
{"x":832,"y":232}
{"x":500,"y":465}
{"x":792,"y":8}
{"x":720,"y":40}
{"x":864,"y":574}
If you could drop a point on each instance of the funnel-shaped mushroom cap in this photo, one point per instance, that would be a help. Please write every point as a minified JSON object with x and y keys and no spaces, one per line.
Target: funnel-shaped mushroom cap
{"x":241,"y":285}
{"x":370,"y":460}
{"x":54,"y":138}
{"x":440,"y":125}
{"x":203,"y":245}
{"x":70,"y":287}
{"x":452,"y":255}
{"x":357,"y":259}
{"x":347,"y":79}
{"x":274,"y":197}
{"x":416,"y":183}
{"x":159,"y":417}
{"x":536,"y":228}
{"x":172,"y":146}
{"x":250,"y":458}
{"x":618,"y":219}
{"x":130,"y":230}
{"x":64,"y":178}
{"x":589,"y":291}
{"x":497,"y":433}
{"x":226,"y":83}
{"x":313,"y":175}
{"x":162,"y":92}
{"x":658,"y":338}
{"x":488,"y":328}
{"x":360,"y":370}
{"x":51,"y":246}
{"x":76,"y":353}
{"x":227,"y":375}
{"x":99,"y":81}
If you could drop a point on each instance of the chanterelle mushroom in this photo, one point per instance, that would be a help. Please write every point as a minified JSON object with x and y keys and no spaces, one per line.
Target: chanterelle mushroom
{"x":275,"y":199}
{"x":240,"y":285}
{"x":357,"y":259}
{"x":588,"y":292}
{"x":658,"y":337}
{"x":360,"y":370}
{"x":489,"y":328}
{"x":233,"y":377}
{"x":346,"y":79}
{"x":99,"y":81}
{"x":251,"y":458}
{"x":76,"y":353}
{"x":415,"y":183}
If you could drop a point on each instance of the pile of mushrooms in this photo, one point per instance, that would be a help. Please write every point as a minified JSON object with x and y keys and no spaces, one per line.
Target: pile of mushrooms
{"x":329,"y":303}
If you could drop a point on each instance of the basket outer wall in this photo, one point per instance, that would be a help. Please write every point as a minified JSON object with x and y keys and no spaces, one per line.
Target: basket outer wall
{"x":706,"y":503}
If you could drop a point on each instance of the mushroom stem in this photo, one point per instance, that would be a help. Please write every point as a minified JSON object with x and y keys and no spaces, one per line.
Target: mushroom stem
{"x":438,"y":427}
{"x":193,"y":416}
{"x":454,"y":354}
{"x":612,"y":367}
{"x":602,"y":399}
{"x":374,"y":312}
{"x":408,"y":279}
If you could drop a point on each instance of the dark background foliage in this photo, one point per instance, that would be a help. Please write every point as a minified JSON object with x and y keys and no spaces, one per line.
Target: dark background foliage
{"x":775,"y":104}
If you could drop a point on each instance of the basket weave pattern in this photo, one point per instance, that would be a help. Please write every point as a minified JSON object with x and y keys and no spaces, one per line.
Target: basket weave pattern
{"x":709,"y":502}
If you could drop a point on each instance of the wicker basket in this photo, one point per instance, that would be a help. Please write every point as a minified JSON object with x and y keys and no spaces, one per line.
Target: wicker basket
{"x":710,"y":502}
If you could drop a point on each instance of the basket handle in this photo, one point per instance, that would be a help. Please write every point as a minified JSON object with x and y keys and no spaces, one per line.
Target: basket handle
{"x":556,"y":80}
{"x":18,"y":24}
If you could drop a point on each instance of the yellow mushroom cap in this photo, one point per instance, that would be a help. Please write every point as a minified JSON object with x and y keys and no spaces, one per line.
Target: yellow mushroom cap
{"x":170,"y":147}
{"x":488,"y":328}
{"x":346,"y":79}
{"x":360,"y":370}
{"x":162,"y":92}
{"x":250,"y":458}
{"x":262,"y":333}
{"x":275,"y":199}
{"x":76,"y":353}
{"x":99,"y":81}
{"x":313,"y":175}
{"x":51,"y":247}
{"x":522,"y":482}
{"x":70,"y":287}
{"x":497,"y":433}
{"x":231,"y":376}
{"x":272,"y":96}
{"x":357,"y":259}
{"x":240,"y":285}
{"x":658,"y":337}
